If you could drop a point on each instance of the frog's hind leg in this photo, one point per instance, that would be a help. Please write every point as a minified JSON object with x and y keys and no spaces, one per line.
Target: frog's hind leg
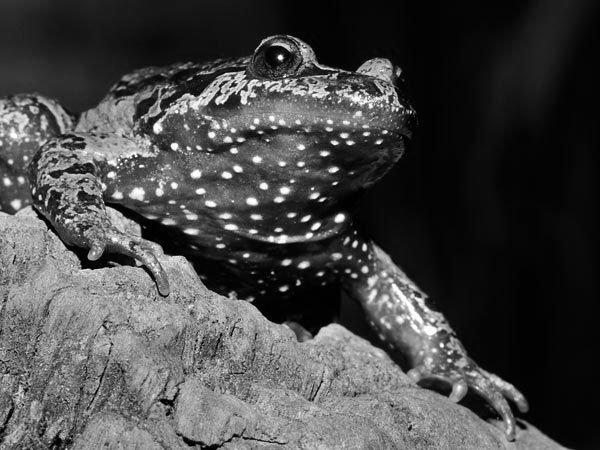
{"x":26,"y":122}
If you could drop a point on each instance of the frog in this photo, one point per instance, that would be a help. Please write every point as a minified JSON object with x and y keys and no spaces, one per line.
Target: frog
{"x":254,"y":165}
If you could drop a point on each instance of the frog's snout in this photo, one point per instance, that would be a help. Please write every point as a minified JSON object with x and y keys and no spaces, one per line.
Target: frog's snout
{"x":381,"y":68}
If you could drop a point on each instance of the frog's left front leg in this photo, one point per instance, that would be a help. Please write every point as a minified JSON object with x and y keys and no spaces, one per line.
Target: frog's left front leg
{"x":397,"y":309}
{"x":67,"y":177}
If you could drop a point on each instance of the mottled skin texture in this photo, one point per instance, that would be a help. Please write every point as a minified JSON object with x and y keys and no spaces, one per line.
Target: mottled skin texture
{"x":252,"y":164}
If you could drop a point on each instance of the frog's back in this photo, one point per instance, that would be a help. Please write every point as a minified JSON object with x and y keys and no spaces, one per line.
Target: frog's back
{"x":144,"y":91}
{"x":116,"y":111}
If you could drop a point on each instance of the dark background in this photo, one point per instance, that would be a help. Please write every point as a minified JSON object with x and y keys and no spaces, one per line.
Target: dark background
{"x":494,"y":207}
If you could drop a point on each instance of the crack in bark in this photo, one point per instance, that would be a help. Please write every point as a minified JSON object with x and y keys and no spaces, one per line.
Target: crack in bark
{"x":240,"y":436}
{"x":217,"y":344}
{"x":102,"y":375}
{"x":316,"y":392}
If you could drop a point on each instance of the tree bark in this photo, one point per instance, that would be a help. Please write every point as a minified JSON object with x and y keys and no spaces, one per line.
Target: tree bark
{"x":95,"y":358}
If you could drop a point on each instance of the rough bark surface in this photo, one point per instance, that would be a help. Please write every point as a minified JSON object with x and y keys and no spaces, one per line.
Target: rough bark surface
{"x":95,"y":359}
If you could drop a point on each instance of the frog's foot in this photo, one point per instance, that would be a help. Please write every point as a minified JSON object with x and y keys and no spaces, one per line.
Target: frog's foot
{"x":462,"y":373}
{"x":113,"y":240}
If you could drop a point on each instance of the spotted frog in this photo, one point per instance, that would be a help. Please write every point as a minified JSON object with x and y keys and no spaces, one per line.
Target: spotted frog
{"x":251,"y":164}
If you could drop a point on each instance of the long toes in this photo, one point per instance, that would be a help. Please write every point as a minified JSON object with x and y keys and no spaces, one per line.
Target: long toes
{"x":140,"y":250}
{"x":510,"y":392}
{"x":490,"y":393}
{"x":159,"y":274}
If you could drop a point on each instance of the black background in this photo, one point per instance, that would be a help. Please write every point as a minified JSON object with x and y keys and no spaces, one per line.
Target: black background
{"x":493,"y":210}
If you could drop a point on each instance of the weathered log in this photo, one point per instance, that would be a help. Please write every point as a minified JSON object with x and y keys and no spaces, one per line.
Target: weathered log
{"x":95,"y":358}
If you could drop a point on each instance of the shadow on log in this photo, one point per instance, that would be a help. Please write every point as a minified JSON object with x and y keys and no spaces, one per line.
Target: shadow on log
{"x":97,"y":359}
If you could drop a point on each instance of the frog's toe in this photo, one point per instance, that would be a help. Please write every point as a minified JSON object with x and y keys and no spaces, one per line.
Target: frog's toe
{"x":142,"y":250}
{"x":482,"y":385}
{"x":96,"y":240}
{"x":509,"y":391}
{"x":459,"y":386}
{"x":467,"y":375}
{"x":459,"y":390}
{"x":96,"y":250}
{"x":147,"y":257}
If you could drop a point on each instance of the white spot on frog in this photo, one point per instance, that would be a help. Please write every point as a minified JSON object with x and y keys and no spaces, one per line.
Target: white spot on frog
{"x":430,"y":330}
{"x":137,"y":193}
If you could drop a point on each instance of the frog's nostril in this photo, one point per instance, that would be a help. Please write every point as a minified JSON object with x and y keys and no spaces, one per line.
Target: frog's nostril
{"x":381,"y":68}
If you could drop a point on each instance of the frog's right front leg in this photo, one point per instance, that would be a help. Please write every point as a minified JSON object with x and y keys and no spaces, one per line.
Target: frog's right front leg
{"x":66,"y":178}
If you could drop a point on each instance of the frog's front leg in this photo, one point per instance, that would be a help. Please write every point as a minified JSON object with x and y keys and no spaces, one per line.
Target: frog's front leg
{"x":67,"y":183}
{"x":397,"y":309}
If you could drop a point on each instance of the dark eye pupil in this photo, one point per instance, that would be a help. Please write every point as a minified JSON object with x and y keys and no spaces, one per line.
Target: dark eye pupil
{"x":277,"y":55}
{"x":276,"y":59}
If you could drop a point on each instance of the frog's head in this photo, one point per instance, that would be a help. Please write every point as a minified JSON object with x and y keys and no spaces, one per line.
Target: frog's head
{"x":296,"y":132}
{"x":350,"y":125}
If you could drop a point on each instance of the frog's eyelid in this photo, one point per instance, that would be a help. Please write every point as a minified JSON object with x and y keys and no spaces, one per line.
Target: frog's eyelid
{"x":286,"y":43}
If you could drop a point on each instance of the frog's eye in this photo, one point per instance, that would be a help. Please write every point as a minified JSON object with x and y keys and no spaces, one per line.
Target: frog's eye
{"x":276,"y":58}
